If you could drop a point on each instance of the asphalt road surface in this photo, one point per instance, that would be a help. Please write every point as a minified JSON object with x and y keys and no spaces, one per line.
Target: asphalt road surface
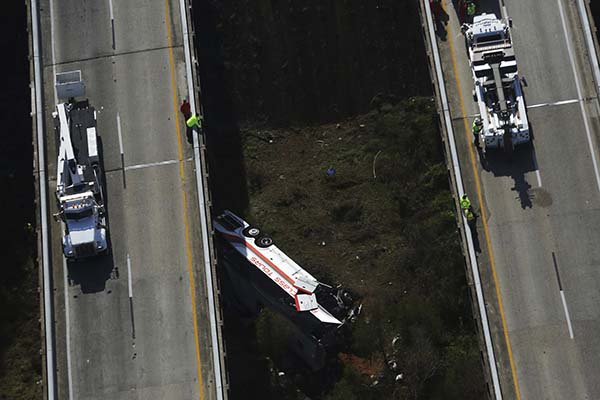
{"x":542,"y":208}
{"x":137,"y":329}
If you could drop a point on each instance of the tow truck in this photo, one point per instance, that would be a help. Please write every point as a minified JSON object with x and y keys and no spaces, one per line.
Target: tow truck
{"x":498,"y":91}
{"x":79,"y":186}
{"x":263,"y":275}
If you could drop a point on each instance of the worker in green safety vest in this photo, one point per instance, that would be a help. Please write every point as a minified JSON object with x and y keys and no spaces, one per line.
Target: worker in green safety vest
{"x":194,"y":120}
{"x":470,"y":8}
{"x":465,"y":203}
{"x":476,"y":130}
{"x":469,"y":215}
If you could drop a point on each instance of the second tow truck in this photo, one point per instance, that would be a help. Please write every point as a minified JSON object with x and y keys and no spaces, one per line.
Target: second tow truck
{"x":498,"y":91}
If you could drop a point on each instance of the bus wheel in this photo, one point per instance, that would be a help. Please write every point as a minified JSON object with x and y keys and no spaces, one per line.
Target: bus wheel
{"x":264,"y":241}
{"x":251,"y":231}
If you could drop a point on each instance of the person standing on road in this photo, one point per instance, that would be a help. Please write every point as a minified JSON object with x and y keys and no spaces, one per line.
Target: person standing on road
{"x":462,"y":11}
{"x":194,"y":120}
{"x":191,"y":120}
{"x":471,"y":8}
{"x":465,"y":203}
{"x":185,"y":109}
{"x":476,"y":130}
{"x":470,"y":215}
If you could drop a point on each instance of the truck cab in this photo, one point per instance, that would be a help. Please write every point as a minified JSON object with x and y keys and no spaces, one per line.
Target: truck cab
{"x":85,"y":234}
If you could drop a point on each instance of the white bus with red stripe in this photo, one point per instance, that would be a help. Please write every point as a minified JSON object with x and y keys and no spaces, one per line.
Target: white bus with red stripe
{"x":258,"y":249}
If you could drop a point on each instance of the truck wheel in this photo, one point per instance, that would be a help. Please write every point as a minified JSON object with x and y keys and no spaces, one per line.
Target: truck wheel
{"x":251,"y":232}
{"x":264,"y":241}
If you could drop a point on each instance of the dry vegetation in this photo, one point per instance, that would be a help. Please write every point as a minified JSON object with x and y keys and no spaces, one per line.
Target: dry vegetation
{"x":278,"y":77}
{"x":20,"y":358}
{"x":383,"y":228}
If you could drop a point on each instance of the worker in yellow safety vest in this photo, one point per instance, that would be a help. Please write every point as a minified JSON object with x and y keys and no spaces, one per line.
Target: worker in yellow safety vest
{"x":465,"y":203}
{"x":469,"y":215}
{"x":476,"y":130}
{"x":471,"y":8}
{"x":194,"y":120}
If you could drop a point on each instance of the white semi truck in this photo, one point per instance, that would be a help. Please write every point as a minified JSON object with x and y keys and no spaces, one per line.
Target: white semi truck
{"x":79,"y":186}
{"x":498,"y":91}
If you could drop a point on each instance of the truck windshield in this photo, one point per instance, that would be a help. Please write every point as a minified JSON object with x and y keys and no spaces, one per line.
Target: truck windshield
{"x":80,"y":214}
{"x":489,"y":38}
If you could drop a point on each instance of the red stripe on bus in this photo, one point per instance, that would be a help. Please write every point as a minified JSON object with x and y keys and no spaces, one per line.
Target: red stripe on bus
{"x":263,"y":257}
{"x":296,"y":301}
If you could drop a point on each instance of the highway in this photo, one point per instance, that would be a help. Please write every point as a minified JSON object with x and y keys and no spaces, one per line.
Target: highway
{"x":134,"y":324}
{"x":540,"y":229}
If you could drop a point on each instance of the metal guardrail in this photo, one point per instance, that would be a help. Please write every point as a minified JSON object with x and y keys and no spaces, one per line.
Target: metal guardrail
{"x":460,"y":190}
{"x":589,"y":41}
{"x":221,"y":389}
{"x":47,"y":277}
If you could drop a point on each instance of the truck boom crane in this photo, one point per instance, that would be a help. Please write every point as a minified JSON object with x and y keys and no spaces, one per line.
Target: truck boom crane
{"x":498,"y":90}
{"x":79,"y":187}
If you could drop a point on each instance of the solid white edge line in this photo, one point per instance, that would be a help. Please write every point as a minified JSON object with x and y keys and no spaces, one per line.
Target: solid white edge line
{"x":458,"y":179}
{"x":53,"y":51}
{"x":578,"y":86}
{"x":119,"y":133}
{"x":129,"y":279}
{"x":67,"y":328}
{"x":48,"y":312}
{"x":590,"y":43}
{"x":212,"y":312}
{"x":564,"y":301}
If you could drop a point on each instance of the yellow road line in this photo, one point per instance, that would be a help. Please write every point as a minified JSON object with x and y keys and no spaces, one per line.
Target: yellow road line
{"x":483,"y":216}
{"x":184,"y":198}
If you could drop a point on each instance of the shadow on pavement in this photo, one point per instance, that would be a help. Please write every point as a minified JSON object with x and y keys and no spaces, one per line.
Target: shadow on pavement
{"x":91,"y":274}
{"x":516,"y":165}
{"x":474,"y":234}
{"x":440,"y":19}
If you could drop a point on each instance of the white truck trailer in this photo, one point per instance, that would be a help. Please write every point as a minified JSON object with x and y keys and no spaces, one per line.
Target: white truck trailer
{"x":498,"y":90}
{"x":79,"y":186}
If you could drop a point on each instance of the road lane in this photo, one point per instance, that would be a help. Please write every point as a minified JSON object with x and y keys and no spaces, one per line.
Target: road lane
{"x":147,"y":218}
{"x":527,"y":223}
